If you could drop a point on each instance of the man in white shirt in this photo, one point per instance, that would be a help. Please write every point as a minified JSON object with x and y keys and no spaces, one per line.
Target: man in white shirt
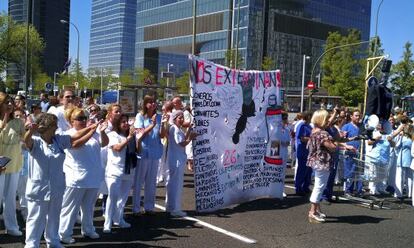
{"x":66,"y":101}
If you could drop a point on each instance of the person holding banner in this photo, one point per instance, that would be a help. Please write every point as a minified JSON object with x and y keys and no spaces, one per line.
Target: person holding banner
{"x":176,"y":160}
{"x":321,"y":146}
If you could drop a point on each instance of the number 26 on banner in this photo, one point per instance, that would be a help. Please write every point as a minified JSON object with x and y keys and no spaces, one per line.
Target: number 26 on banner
{"x":229,"y":157}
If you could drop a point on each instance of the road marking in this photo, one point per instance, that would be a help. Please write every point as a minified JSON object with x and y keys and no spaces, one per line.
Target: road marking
{"x":215,"y":228}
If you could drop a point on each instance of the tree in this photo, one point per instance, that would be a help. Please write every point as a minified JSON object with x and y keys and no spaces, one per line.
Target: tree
{"x":144,"y":76}
{"x":126,"y":78}
{"x":13,"y":45}
{"x":268,"y":64}
{"x":402,"y":77}
{"x":183,"y":83}
{"x":230,"y":58}
{"x":342,"y":68}
{"x":41,"y":79}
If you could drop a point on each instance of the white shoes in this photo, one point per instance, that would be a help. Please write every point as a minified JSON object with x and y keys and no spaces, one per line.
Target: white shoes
{"x":123,"y":224}
{"x":107,"y":230}
{"x":178,"y":214}
{"x":67,"y":240}
{"x":92,"y":235}
{"x":15,"y":233}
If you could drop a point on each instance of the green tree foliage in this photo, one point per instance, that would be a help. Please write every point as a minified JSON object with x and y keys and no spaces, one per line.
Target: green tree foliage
{"x":402,"y":77}
{"x":126,"y":78}
{"x":342,"y":69}
{"x":268,"y":64}
{"x":13,"y":45}
{"x":144,"y":75}
{"x":183,"y":83}
{"x":230,"y":59}
{"x":41,"y":79}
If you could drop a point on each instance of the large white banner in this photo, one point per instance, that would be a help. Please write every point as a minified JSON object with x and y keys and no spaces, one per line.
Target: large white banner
{"x":238,"y":121}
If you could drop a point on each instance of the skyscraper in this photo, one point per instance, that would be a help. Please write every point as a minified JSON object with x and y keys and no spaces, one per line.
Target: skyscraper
{"x":283,"y":30}
{"x":112,"y":42}
{"x":45,"y":16}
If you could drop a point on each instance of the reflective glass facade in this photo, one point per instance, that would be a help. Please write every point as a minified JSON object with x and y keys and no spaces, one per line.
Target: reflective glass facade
{"x":281,"y":29}
{"x":112,"y":42}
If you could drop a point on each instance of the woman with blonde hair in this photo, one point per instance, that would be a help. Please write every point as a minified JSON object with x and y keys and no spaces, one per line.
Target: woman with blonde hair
{"x":321,"y":147}
{"x":11,"y":133}
{"x":84,"y":175}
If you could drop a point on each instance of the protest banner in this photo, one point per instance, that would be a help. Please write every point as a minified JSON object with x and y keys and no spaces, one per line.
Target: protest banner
{"x":237,"y":117}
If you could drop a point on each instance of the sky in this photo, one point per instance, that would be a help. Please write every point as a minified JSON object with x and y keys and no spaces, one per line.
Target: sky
{"x":395,"y":26}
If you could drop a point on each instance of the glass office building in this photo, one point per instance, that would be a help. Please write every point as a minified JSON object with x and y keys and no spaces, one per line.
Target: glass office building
{"x":112,"y":41}
{"x":45,"y":16}
{"x":281,"y":29}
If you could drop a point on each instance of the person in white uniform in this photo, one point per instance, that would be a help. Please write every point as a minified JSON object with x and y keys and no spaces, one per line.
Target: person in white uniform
{"x":66,"y":103}
{"x":119,"y":171}
{"x":83,"y":175}
{"x":176,"y":159}
{"x":46,"y":181}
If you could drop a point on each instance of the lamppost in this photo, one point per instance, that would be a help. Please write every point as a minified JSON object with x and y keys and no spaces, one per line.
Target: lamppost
{"x":168,"y":70}
{"x":77,"y":56}
{"x":194,"y":42}
{"x":376,"y":28}
{"x":303,"y":81}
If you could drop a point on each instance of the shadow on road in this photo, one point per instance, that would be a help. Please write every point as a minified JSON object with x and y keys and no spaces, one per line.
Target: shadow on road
{"x":356,"y":219}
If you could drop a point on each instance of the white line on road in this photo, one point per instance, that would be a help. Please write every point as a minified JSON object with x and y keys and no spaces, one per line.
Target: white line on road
{"x":215,"y":228}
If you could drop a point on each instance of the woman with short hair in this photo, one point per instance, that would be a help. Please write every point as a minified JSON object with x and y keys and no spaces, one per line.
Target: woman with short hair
{"x":46,"y":181}
{"x":320,"y":146}
{"x":84,"y":175}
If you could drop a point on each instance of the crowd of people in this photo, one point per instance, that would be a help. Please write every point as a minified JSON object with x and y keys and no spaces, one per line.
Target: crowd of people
{"x":67,"y":153}
{"x":340,"y":147}
{"x":70,"y":153}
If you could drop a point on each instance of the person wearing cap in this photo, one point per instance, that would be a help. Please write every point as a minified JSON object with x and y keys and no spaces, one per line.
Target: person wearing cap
{"x":176,"y":160}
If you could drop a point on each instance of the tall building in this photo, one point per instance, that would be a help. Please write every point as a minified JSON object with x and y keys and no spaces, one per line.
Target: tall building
{"x":45,"y":16}
{"x":112,"y":41}
{"x":283,"y":30}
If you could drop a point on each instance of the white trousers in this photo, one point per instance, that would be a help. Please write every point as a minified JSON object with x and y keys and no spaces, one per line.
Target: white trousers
{"x":145,"y":174}
{"x":377,"y":174}
{"x":8,"y":189}
{"x":73,"y":200}
{"x":118,"y":191}
{"x":403,"y":176}
{"x":44,"y":216}
{"x":175,"y":187}
{"x":321,"y":179}
{"x":21,"y":193}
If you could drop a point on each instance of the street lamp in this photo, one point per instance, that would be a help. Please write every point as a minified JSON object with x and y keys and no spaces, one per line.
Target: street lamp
{"x":77,"y":57}
{"x":303,"y":81}
{"x":376,"y":28}
{"x":168,"y":70}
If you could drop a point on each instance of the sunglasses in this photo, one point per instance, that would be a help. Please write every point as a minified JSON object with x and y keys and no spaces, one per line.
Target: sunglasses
{"x":80,"y":118}
{"x":93,"y":110}
{"x":69,"y":96}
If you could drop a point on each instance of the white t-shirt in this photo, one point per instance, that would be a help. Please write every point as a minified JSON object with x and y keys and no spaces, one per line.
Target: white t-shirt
{"x":82,"y":165}
{"x":116,"y":160}
{"x":63,"y":124}
{"x":45,"y":172}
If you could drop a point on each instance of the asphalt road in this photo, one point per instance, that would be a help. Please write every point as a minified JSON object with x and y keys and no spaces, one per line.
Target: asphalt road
{"x":268,"y":222}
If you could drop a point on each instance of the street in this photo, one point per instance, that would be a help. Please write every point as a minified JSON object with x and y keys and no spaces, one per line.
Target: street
{"x":266,"y":222}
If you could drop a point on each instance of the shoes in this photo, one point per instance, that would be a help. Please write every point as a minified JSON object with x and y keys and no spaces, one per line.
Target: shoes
{"x":48,"y":245}
{"x":67,"y":240}
{"x":313,"y":218}
{"x":149,"y":213}
{"x":92,"y":235}
{"x":124,"y":224}
{"x":178,"y":214}
{"x":322,"y":215}
{"x":15,"y":233}
{"x":107,"y":230}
